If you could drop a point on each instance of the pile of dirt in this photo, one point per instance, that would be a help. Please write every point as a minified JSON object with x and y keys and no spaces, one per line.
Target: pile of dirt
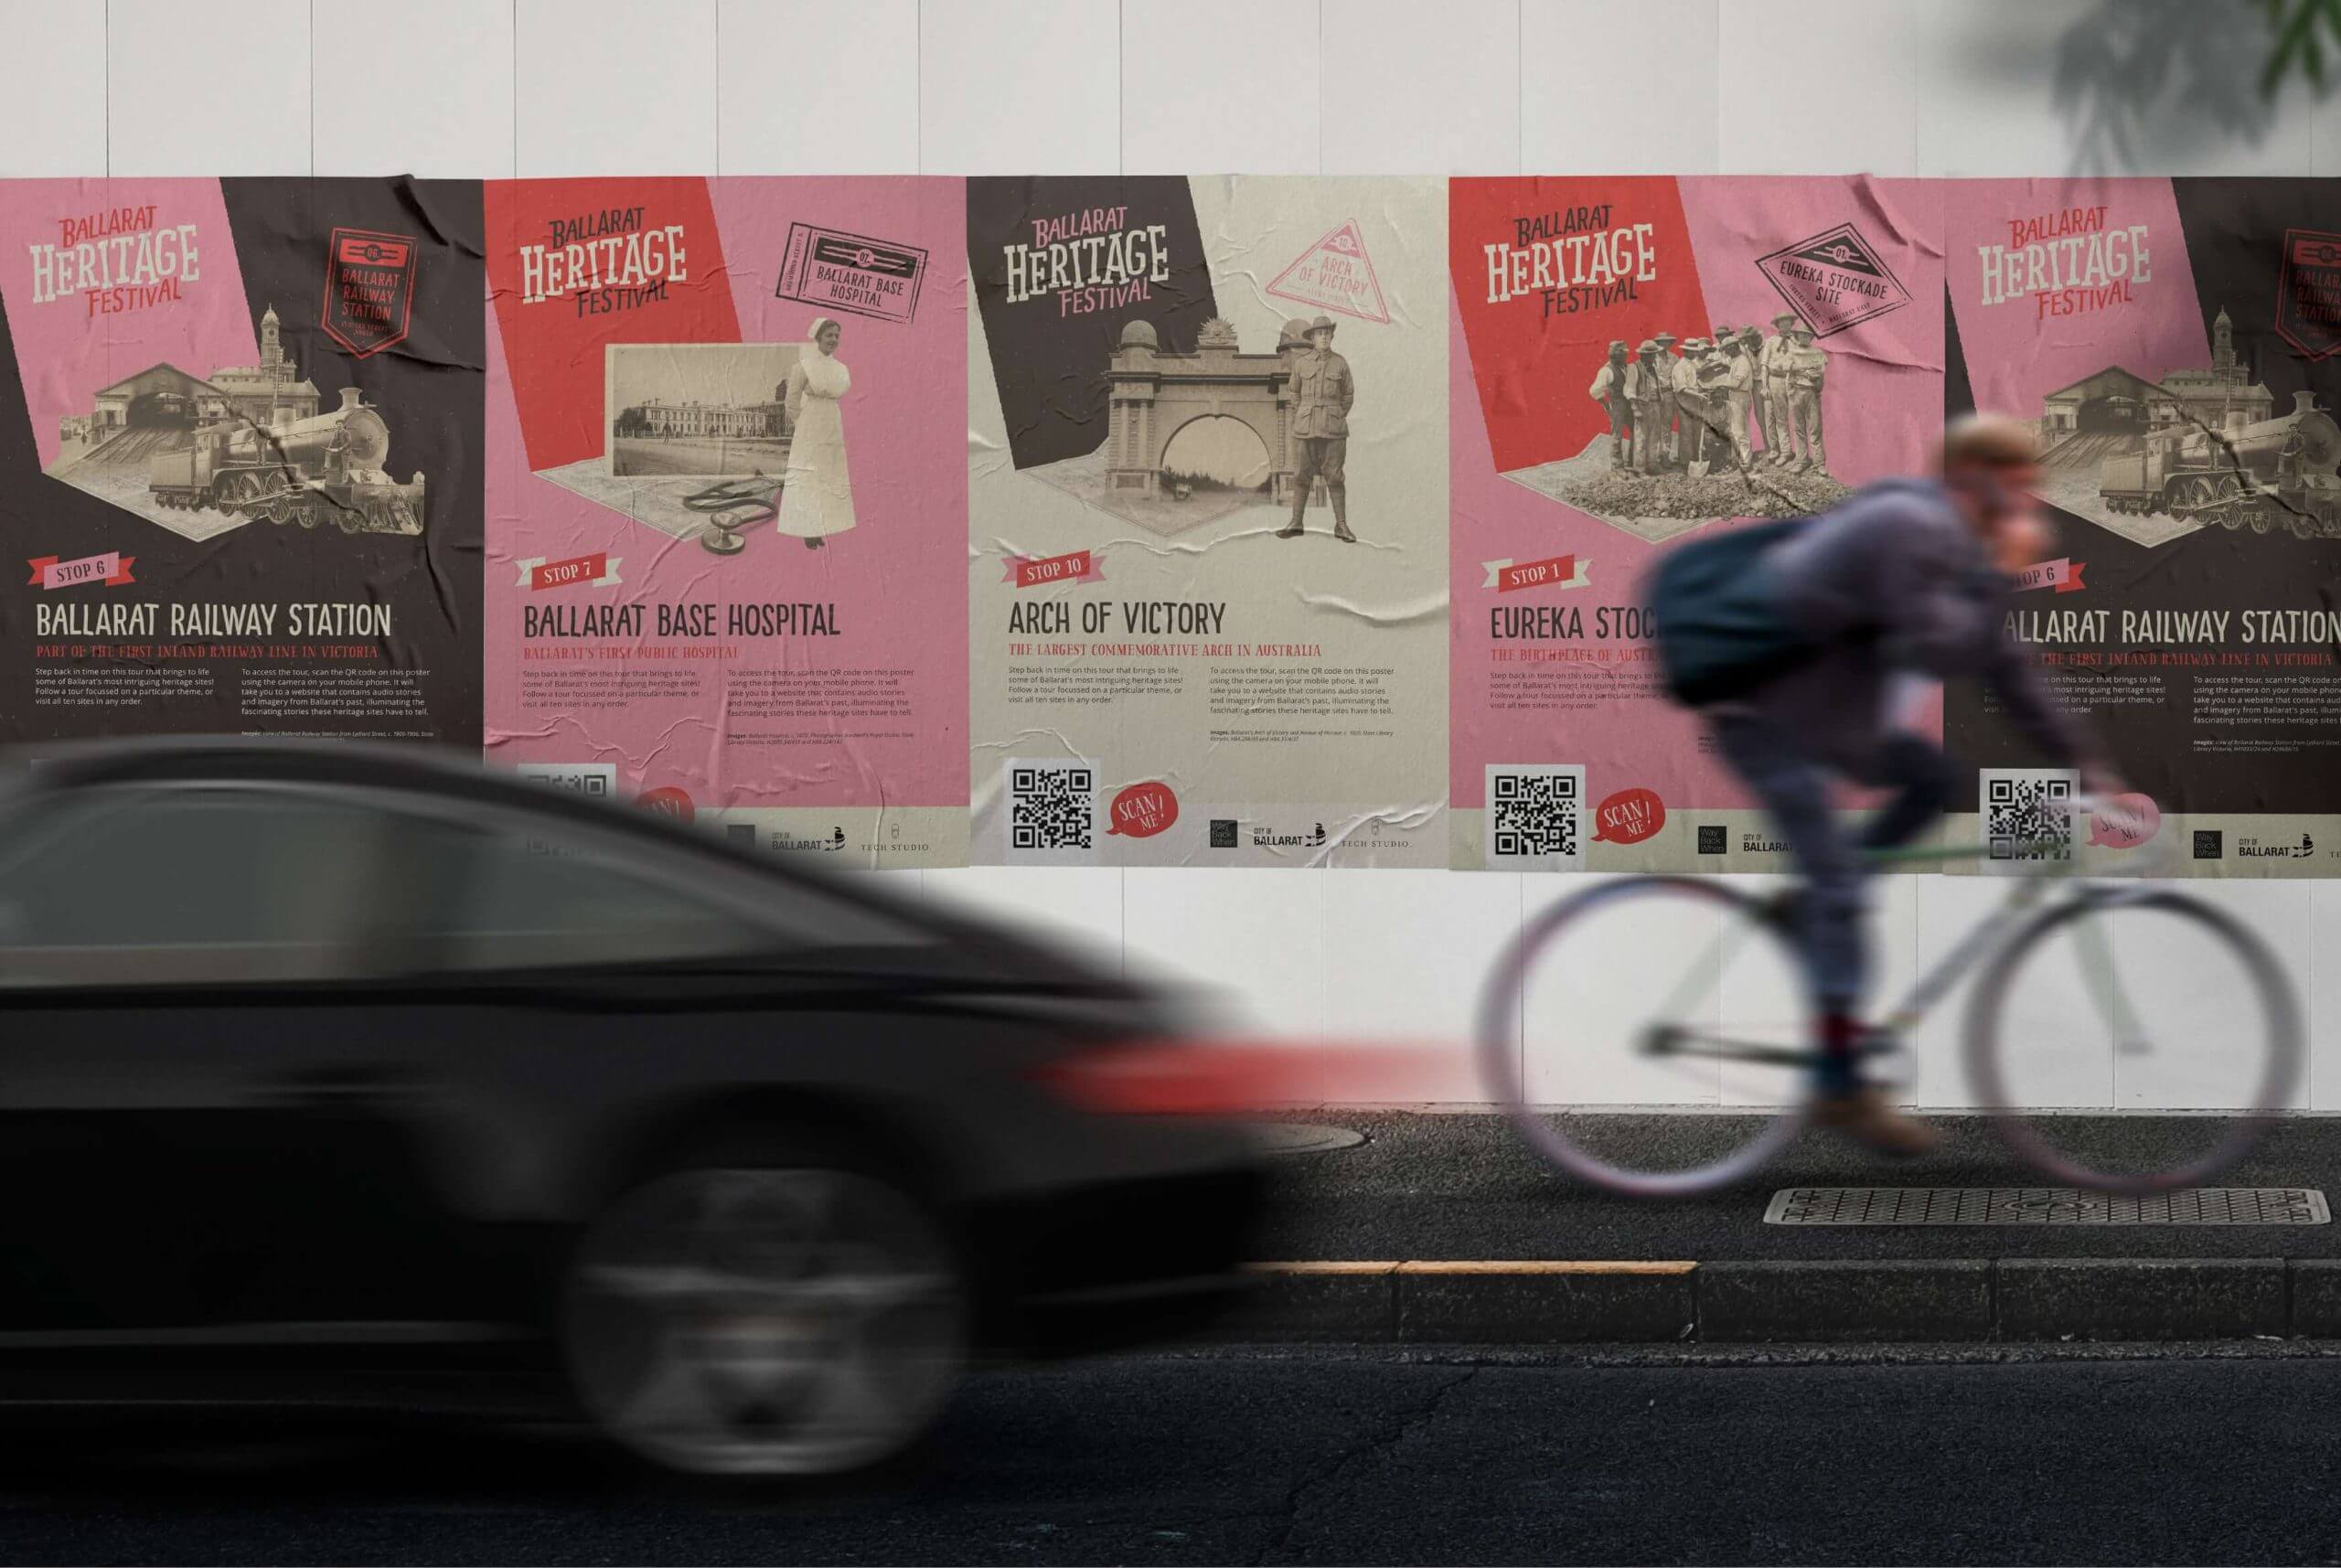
{"x":1620,"y":492}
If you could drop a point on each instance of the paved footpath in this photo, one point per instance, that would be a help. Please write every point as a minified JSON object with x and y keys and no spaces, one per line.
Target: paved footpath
{"x":1427,"y":1207}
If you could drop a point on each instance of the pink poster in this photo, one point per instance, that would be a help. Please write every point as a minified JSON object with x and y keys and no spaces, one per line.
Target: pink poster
{"x":1637,"y":363}
{"x":726,"y":568}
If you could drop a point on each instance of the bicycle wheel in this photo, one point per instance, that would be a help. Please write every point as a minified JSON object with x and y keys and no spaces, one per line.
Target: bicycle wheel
{"x":1649,"y":992}
{"x":2151,"y":1000}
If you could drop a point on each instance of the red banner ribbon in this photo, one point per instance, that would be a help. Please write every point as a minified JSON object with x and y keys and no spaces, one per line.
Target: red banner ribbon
{"x":112,"y":568}
{"x":1039,"y":571}
{"x":597,"y":571}
{"x":2063,"y":575}
{"x":1553,"y":572}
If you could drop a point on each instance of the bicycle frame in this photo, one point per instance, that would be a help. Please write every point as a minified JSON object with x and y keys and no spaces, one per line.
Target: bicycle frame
{"x":2023,"y":905}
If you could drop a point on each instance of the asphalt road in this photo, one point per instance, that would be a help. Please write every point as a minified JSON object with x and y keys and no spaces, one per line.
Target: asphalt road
{"x":1461,"y":1185}
{"x":1242,"y":1458}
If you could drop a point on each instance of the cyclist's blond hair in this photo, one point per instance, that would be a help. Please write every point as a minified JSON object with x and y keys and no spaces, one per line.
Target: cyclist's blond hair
{"x":1988,"y":440}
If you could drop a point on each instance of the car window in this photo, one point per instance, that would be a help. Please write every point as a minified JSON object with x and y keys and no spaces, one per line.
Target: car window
{"x":195,"y":883}
{"x":469,"y":897}
{"x":156,"y":886}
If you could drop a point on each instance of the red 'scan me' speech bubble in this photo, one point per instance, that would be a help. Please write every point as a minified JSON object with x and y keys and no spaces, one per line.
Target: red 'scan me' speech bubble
{"x":2125,"y":822}
{"x":1142,"y":811}
{"x":668,"y":800}
{"x":1629,"y":816}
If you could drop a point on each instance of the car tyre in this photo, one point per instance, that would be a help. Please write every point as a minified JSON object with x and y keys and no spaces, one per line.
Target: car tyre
{"x":730,"y":1318}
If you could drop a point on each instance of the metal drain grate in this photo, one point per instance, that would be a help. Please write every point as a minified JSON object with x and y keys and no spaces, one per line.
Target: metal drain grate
{"x":2045,"y":1206}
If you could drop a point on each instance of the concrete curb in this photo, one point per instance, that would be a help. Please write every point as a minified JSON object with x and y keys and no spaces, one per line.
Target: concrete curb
{"x":1560,"y":1302}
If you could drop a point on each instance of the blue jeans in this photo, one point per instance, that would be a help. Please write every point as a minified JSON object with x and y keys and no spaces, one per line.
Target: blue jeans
{"x":1794,"y":789}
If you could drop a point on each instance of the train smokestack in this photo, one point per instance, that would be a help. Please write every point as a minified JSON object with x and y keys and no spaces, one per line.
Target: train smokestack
{"x":2304,"y":403}
{"x":348,"y":399}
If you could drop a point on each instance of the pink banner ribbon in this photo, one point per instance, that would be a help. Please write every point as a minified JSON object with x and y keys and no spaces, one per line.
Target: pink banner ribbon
{"x":112,"y":568}
{"x":1039,"y":571}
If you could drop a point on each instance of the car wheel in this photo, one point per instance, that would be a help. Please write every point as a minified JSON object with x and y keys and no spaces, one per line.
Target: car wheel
{"x":764,"y":1321}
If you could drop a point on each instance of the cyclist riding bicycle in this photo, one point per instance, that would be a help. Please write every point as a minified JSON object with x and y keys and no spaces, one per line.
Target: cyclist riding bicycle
{"x":1840,"y":619}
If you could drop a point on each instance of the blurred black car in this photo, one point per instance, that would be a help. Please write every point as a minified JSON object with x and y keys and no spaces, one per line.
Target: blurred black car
{"x":329,"y":1048}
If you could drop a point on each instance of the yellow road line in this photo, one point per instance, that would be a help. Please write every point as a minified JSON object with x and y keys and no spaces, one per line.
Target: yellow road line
{"x":1476,"y":1265}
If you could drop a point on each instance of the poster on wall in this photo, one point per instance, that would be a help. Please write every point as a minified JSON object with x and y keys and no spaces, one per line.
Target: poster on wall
{"x":2178,"y":344}
{"x":1638,"y":363}
{"x":1207,"y":521}
{"x":240,"y":458}
{"x":726,"y":501}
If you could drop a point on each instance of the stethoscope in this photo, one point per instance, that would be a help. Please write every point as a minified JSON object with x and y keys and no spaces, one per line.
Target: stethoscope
{"x":734,"y":505}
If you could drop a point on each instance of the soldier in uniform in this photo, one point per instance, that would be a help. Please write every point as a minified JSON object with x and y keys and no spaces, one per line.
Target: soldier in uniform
{"x":1772,"y":371}
{"x":1691,"y":402}
{"x":1807,"y":366}
{"x":1609,"y":390}
{"x":1649,"y":386}
{"x":1322,"y":390}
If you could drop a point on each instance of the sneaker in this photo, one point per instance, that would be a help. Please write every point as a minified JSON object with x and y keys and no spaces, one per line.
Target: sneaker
{"x":1868,"y":1117}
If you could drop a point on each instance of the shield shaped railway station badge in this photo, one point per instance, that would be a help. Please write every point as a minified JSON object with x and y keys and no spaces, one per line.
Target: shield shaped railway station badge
{"x":369,"y":289}
{"x":2308,"y":293}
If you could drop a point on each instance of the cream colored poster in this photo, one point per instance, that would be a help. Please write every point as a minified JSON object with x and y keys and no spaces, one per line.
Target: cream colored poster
{"x":1208,"y":445}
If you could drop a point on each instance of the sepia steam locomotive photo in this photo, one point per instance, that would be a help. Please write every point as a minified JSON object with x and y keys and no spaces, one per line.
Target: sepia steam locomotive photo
{"x":325,"y":469}
{"x":2273,"y":472}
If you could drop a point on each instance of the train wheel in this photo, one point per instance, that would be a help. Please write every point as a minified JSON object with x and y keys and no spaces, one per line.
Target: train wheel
{"x":400,"y":519}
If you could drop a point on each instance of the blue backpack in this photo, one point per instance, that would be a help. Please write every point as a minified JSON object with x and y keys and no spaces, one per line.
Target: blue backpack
{"x":1722,"y":628}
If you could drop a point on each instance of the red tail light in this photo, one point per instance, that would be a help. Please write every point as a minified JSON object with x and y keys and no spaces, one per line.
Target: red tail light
{"x":1219,"y":1077}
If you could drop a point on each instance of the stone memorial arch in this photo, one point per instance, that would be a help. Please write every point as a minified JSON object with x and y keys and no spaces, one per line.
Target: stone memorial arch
{"x":1156,"y":394}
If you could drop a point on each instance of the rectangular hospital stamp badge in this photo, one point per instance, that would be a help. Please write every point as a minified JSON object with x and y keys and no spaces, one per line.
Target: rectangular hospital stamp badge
{"x":369,"y":289}
{"x":851,"y":272}
{"x":1834,"y":280}
{"x":1335,"y":273}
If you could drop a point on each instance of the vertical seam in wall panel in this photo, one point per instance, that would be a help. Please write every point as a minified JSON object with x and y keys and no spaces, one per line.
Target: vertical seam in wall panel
{"x":1321,"y":87}
{"x":313,"y":91}
{"x":108,"y":42}
{"x":516,"y":88}
{"x":718,"y":87}
{"x":918,"y":91}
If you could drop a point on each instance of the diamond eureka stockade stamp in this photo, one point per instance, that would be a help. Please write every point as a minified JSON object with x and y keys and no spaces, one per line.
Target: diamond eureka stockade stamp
{"x":1834,"y":280}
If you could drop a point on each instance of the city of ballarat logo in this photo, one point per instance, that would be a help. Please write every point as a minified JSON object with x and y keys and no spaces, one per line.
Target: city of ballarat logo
{"x":1834,"y":280}
{"x":370,"y":290}
{"x":2308,"y":293}
{"x":1266,"y":838}
{"x":1335,"y":273}
{"x":834,"y":841}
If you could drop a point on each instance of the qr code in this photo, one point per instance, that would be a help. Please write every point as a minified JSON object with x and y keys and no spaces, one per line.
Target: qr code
{"x":1533,"y":812}
{"x":1051,"y":806}
{"x":2027,"y":814}
{"x":596,"y":781}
